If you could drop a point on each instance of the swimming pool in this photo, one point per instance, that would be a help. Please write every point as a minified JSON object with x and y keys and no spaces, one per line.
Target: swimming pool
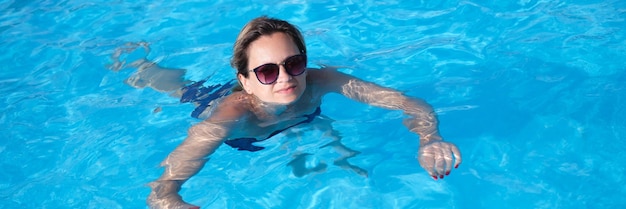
{"x":532,"y":92}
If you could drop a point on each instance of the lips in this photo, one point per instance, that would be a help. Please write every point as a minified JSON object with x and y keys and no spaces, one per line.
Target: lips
{"x":287,"y":89}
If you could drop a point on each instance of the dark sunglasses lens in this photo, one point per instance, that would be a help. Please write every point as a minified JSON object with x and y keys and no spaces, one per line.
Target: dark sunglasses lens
{"x":267,"y":73}
{"x":295,"y":65}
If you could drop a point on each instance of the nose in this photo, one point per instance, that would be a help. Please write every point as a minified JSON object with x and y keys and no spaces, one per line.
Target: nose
{"x":283,"y":76}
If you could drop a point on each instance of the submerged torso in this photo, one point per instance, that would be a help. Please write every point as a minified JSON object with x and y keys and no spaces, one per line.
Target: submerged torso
{"x":263,"y":119}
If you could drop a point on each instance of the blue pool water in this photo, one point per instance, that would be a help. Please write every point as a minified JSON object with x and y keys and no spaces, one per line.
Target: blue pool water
{"x":532,"y":92}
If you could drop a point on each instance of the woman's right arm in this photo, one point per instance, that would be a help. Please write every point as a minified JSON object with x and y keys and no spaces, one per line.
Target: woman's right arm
{"x":191,"y":155}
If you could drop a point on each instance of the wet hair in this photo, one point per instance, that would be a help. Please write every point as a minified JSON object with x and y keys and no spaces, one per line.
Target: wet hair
{"x":252,"y":31}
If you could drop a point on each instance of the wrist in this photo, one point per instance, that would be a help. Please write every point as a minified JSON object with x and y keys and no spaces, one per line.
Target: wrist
{"x":165,"y":188}
{"x":430,"y":138}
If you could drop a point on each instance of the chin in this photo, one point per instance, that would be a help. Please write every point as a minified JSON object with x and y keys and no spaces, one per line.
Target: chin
{"x":286,"y":101}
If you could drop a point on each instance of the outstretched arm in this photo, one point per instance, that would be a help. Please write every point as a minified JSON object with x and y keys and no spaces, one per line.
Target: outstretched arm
{"x":435,"y":156}
{"x":191,"y":155}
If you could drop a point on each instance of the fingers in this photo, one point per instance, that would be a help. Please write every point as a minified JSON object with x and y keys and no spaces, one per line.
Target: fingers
{"x":440,"y":163}
{"x":439,"y":158}
{"x":448,"y":158}
{"x":190,"y":206}
{"x":457,"y":156}
{"x":426,"y":158}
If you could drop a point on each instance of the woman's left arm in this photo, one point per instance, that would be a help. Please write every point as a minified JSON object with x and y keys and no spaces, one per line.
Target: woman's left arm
{"x":435,"y":155}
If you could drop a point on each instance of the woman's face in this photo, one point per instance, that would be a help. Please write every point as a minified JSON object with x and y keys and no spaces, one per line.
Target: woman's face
{"x":274,"y":48}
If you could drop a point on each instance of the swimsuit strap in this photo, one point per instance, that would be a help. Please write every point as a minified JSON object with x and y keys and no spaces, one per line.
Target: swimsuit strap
{"x":246,"y":143}
{"x":309,"y":118}
{"x":196,"y":92}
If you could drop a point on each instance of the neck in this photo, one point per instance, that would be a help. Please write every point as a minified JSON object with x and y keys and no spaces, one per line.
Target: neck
{"x":274,"y":108}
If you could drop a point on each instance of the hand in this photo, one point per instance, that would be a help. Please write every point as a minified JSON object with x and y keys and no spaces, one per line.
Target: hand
{"x":176,"y":203}
{"x":164,"y":195}
{"x":437,"y":158}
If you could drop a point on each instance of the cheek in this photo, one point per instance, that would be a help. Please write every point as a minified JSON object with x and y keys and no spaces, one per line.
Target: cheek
{"x":302,"y":79}
{"x":261,"y":90}
{"x":245,"y":83}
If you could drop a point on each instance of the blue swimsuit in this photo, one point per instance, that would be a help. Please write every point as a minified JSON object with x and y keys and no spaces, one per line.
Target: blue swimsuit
{"x":203,"y":95}
{"x":246,"y":143}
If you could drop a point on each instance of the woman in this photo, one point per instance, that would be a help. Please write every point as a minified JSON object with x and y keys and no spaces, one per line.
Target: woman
{"x":278,"y":92}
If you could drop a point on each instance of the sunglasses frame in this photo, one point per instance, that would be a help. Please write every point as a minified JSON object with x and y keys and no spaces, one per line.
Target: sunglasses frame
{"x":289,"y":71}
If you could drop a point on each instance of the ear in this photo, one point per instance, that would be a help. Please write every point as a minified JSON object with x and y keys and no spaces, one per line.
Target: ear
{"x":243,"y":81}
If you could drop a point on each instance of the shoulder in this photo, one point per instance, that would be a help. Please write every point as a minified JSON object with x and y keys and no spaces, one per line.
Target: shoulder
{"x":237,"y":100}
{"x":328,"y":79}
{"x":231,"y":107}
{"x":320,"y":74}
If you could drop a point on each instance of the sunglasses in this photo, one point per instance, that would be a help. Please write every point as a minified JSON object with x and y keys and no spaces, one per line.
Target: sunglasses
{"x":268,"y":73}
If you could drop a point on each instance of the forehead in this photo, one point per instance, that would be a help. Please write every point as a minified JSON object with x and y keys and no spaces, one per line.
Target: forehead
{"x":273,"y":48}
